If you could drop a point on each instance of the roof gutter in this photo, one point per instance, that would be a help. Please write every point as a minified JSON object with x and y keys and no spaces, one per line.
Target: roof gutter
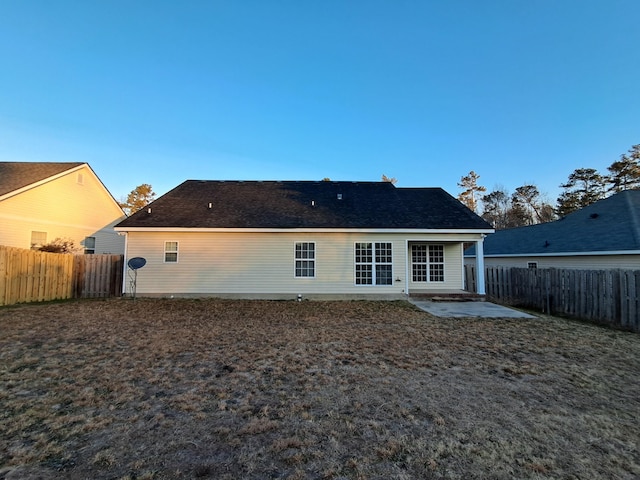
{"x":561,"y":254}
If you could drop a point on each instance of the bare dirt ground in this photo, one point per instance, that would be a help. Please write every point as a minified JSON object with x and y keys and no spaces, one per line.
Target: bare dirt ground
{"x":157,"y":389}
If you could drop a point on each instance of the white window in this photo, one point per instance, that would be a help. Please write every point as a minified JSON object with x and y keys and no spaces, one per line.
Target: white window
{"x":38,"y":239}
{"x":373,"y":263}
{"x":436,"y":263}
{"x":427,"y":263}
{"x":305,"y":259}
{"x":170,"y":252}
{"x":89,"y":245}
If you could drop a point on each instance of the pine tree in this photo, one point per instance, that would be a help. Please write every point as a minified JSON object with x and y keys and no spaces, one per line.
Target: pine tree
{"x":625,"y":173}
{"x":537,"y":211}
{"x":469,"y":195}
{"x":138,"y":198}
{"x":496,"y":208}
{"x":584,"y":187}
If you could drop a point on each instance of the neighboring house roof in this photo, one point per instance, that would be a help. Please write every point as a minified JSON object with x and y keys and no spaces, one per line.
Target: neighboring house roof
{"x":304,"y":204}
{"x":17,"y":175}
{"x":611,"y":225}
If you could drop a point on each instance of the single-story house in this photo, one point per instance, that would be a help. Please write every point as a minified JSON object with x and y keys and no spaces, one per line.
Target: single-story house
{"x":43,"y":201}
{"x":604,"y":235}
{"x":284,"y":239}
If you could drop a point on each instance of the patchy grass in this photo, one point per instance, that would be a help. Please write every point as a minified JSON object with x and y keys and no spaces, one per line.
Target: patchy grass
{"x":156,"y":389}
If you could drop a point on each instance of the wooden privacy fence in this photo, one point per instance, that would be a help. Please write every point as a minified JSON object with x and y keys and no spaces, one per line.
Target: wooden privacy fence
{"x":604,"y":296}
{"x":33,"y":276}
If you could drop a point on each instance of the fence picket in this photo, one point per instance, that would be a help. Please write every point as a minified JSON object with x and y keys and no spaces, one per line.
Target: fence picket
{"x":30,"y":276}
{"x":604,"y":296}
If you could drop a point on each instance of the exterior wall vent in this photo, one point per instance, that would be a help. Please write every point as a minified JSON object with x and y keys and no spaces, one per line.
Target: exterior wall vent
{"x":339,"y":196}
{"x":210,"y":205}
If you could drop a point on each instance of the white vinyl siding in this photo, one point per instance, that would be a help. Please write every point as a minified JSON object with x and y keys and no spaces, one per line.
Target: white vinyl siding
{"x":38,"y":239}
{"x":64,"y":209}
{"x":260,"y":264}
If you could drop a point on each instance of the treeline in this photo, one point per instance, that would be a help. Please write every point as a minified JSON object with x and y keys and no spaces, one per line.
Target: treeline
{"x":527,"y":206}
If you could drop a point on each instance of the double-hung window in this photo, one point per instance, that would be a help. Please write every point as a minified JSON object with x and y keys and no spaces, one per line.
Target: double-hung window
{"x":170,"y":252}
{"x":305,"y":259}
{"x":89,"y":245}
{"x":427,"y":263}
{"x":373,"y":263}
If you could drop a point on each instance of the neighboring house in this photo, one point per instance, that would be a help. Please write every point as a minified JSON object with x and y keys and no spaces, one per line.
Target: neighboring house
{"x":315,"y":239}
{"x":603,"y":235}
{"x":43,"y":201}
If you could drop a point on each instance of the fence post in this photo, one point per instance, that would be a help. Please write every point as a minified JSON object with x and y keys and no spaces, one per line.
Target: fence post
{"x":29,"y":275}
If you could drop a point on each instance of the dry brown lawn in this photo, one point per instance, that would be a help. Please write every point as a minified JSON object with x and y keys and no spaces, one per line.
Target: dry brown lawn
{"x":157,"y":389}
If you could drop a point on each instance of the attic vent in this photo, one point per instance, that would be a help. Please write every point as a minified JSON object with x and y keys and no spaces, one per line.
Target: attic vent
{"x":339,"y":196}
{"x":80,"y":179}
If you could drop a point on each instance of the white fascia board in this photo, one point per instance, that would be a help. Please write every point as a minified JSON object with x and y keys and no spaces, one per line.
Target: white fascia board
{"x":43,"y":181}
{"x":302,"y":230}
{"x":564,"y":254}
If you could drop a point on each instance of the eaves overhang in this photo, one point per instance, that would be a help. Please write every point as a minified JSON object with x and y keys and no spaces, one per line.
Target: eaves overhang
{"x":30,"y":186}
{"x":308,"y":230}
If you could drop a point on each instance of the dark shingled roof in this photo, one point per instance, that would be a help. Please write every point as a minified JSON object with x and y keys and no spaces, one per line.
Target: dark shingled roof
{"x":609,"y":225}
{"x":16,"y":175}
{"x":291,"y":204}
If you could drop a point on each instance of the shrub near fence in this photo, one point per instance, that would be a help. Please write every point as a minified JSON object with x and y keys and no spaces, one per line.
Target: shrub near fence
{"x":33,"y":276}
{"x":605,"y":296}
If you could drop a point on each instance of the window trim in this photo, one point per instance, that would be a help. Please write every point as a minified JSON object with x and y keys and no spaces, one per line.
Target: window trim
{"x":296,"y":259}
{"x":373,"y":264}
{"x":428,"y":263}
{"x":441,"y":245}
{"x":176,"y":251}
{"x":87,"y":249}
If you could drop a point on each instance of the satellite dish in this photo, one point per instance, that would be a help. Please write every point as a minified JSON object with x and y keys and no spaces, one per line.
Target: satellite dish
{"x":136,"y":262}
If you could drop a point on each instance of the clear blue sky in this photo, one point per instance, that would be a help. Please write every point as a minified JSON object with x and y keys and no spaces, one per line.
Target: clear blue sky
{"x":521,"y":91}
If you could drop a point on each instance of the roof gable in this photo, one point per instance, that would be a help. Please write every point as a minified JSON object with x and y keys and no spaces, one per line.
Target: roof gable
{"x":304,"y":204}
{"x":17,"y":175}
{"x":609,"y":225}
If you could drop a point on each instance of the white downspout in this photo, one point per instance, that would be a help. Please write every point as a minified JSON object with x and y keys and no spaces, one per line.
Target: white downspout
{"x":126,"y":256}
{"x":480,"y":287}
{"x":406,"y":268}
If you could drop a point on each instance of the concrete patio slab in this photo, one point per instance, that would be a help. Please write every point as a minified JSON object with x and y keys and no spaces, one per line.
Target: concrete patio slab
{"x":469,"y":309}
